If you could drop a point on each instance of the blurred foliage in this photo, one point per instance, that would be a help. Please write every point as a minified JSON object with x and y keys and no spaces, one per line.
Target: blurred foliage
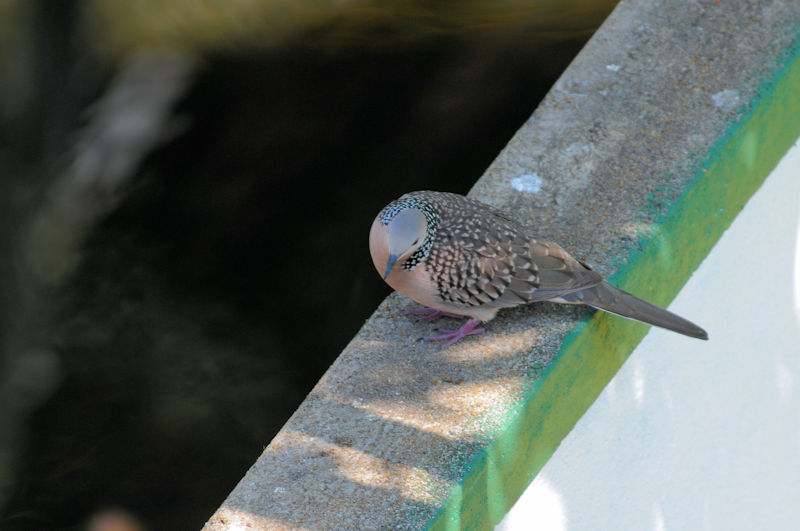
{"x":218,"y":24}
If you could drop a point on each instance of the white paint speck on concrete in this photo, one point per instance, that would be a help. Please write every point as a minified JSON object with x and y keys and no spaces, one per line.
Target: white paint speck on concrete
{"x":726,"y":99}
{"x":613,"y":68}
{"x":692,"y":434}
{"x":530,"y":183}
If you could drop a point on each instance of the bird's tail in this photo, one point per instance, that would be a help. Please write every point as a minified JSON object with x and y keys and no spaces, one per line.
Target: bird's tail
{"x":606,"y":297}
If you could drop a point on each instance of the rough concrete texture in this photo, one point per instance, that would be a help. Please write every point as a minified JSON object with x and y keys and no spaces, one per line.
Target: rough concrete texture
{"x":394,"y":423}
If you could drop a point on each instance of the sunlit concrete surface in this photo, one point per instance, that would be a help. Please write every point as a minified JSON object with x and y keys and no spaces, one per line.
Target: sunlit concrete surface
{"x":696,"y":435}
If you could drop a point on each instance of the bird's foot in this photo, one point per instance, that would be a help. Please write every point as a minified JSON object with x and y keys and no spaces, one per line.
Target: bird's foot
{"x":451,"y":336}
{"x":429,"y":313}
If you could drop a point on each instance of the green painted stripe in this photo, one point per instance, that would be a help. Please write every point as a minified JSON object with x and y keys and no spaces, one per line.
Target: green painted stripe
{"x":594,"y":351}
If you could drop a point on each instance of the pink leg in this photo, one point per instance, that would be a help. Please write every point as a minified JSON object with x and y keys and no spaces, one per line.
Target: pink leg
{"x":430,"y":314}
{"x":451,"y":336}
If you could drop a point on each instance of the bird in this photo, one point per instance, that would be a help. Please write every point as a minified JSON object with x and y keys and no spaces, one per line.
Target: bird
{"x":461,"y":257}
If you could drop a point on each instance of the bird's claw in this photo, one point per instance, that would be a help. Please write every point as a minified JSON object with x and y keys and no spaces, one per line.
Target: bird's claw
{"x":451,"y":336}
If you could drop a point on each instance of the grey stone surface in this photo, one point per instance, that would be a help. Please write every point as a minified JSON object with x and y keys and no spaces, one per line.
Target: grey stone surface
{"x":393,"y":424}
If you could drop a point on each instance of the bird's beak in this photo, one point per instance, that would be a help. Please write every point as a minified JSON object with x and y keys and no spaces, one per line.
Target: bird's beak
{"x":390,"y":265}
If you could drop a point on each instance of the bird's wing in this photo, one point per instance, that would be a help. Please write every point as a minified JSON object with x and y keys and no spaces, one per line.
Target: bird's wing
{"x":559,"y":273}
{"x":470,"y":271}
{"x":494,"y":261}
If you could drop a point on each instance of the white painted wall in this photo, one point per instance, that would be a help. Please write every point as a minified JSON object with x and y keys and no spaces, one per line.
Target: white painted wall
{"x":692,"y":434}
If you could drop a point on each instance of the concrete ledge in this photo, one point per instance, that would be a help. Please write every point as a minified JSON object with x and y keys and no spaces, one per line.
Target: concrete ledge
{"x":637,"y":161}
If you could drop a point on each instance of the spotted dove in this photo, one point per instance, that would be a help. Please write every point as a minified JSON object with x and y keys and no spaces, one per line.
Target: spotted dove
{"x":462,"y":257}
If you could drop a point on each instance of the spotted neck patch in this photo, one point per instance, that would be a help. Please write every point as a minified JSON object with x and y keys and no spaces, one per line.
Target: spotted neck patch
{"x":431,"y":217}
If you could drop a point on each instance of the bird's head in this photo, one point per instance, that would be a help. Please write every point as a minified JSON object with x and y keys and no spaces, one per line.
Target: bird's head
{"x":404,"y":233}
